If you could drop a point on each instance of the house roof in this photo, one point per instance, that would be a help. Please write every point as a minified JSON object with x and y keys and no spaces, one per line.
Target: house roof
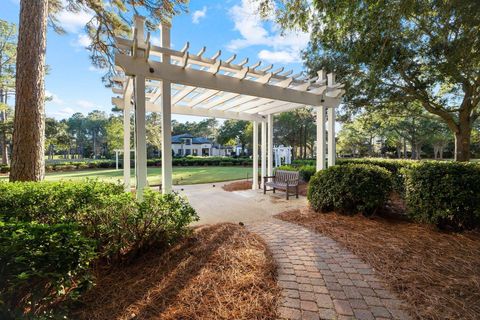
{"x":195,"y":140}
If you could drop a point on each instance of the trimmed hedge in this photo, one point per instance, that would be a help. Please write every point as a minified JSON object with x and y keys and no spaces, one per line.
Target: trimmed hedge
{"x":350,"y":189}
{"x":42,"y":265}
{"x":395,"y":167}
{"x":446,"y":194}
{"x":51,"y":202}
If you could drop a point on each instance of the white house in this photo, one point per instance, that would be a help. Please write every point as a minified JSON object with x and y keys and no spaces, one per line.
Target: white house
{"x":186,"y":145}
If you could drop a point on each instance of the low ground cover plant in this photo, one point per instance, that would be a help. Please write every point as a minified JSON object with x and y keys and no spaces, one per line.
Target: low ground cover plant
{"x":350,"y":189}
{"x":52,"y":232}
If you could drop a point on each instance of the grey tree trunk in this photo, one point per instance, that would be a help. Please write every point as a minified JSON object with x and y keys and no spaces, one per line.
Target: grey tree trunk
{"x":28,"y":158}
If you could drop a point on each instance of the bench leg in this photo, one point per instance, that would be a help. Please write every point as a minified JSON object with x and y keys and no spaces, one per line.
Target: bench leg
{"x":296,"y":191}
{"x":273,"y":190}
{"x":264,"y":188}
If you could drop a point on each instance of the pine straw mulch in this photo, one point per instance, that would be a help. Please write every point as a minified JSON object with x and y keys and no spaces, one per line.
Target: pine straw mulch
{"x":238,"y":186}
{"x":221,"y":272}
{"x":437,"y":273}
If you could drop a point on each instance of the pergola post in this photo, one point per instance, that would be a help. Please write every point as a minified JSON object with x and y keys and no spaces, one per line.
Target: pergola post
{"x":332,"y":152}
{"x":166,"y":120}
{"x":140,"y":134}
{"x":331,"y":137}
{"x":126,"y":145}
{"x":321,"y":138}
{"x":140,"y":113}
{"x":270,"y":144}
{"x":264,"y":152}
{"x":255,"y":156}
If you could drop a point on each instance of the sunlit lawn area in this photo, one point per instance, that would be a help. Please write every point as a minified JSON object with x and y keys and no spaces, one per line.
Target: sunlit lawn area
{"x":181,"y":175}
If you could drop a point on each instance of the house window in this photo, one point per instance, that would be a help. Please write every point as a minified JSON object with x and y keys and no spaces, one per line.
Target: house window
{"x":188,"y":152}
{"x":205,"y":152}
{"x":195,"y":152}
{"x":180,"y":152}
{"x":187,"y":141}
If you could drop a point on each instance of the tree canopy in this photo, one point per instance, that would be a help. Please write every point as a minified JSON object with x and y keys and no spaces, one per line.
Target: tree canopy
{"x":401,"y":51}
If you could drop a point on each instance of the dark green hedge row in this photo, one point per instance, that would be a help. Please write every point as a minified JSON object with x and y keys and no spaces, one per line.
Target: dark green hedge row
{"x":395,"y":167}
{"x":104,"y":164}
{"x":350,"y":189}
{"x":446,"y":194}
{"x":443,"y":193}
{"x":77,"y":223}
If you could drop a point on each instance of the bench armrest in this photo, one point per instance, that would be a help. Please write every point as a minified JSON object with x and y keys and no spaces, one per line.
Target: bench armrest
{"x":268,"y":177}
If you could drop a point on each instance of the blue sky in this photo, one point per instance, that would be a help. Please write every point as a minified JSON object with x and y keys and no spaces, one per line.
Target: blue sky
{"x":231,"y":26}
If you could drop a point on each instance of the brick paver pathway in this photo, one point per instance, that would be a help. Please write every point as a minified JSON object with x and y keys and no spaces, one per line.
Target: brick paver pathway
{"x":322,"y":280}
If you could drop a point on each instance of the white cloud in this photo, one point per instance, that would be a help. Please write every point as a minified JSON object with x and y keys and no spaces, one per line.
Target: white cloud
{"x":85,"y":104}
{"x":83,"y":40}
{"x":198,"y":15}
{"x":74,"y":21}
{"x":278,"y":56}
{"x":284,"y":48}
{"x":54,"y":99}
{"x":62,"y":113}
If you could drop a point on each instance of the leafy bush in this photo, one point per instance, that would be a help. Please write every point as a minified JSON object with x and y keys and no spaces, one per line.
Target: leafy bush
{"x":304,"y":162}
{"x":350,"y":189}
{"x":98,"y":221}
{"x":41,"y":265}
{"x":395,"y":167}
{"x":307,"y":171}
{"x":4,"y":168}
{"x":124,"y":226}
{"x":50,"y":202}
{"x":446,"y":194}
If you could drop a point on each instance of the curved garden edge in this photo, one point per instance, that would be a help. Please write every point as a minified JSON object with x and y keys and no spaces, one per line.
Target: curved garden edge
{"x":435,"y":272}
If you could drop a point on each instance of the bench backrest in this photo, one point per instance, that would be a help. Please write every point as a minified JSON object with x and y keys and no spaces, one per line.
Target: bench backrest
{"x":283,"y":176}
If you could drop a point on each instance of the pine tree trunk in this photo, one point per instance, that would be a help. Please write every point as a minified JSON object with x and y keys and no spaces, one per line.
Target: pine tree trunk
{"x":28,"y":158}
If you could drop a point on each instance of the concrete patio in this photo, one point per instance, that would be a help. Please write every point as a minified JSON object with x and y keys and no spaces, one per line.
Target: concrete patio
{"x":214,"y":205}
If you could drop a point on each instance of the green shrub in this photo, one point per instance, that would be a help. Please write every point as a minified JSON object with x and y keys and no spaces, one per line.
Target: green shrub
{"x":446,"y":194}
{"x":50,"y":202}
{"x":350,"y":189}
{"x":226,"y":163}
{"x":4,"y":168}
{"x":306,"y":172}
{"x":124,"y":226}
{"x":304,"y":162}
{"x":393,"y":165}
{"x":41,"y":265}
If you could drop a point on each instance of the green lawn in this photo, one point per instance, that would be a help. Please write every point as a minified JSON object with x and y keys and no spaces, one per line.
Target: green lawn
{"x":181,"y":175}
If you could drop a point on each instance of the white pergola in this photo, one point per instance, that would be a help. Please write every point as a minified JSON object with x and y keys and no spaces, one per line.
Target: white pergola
{"x":160,"y":79}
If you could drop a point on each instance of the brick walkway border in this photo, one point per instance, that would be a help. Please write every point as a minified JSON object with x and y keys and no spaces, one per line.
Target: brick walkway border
{"x":322,"y":280}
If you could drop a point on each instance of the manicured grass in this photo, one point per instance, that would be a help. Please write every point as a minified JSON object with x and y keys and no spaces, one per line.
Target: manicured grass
{"x":181,"y":175}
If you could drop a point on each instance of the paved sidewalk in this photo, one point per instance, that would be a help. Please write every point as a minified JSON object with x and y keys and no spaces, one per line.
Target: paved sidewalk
{"x":322,"y":280}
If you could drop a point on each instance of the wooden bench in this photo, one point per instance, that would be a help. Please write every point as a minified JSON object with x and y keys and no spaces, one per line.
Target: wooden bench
{"x":283,"y":180}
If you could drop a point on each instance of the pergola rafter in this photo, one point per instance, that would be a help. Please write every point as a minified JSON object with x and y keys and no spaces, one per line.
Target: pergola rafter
{"x":160,"y":79}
